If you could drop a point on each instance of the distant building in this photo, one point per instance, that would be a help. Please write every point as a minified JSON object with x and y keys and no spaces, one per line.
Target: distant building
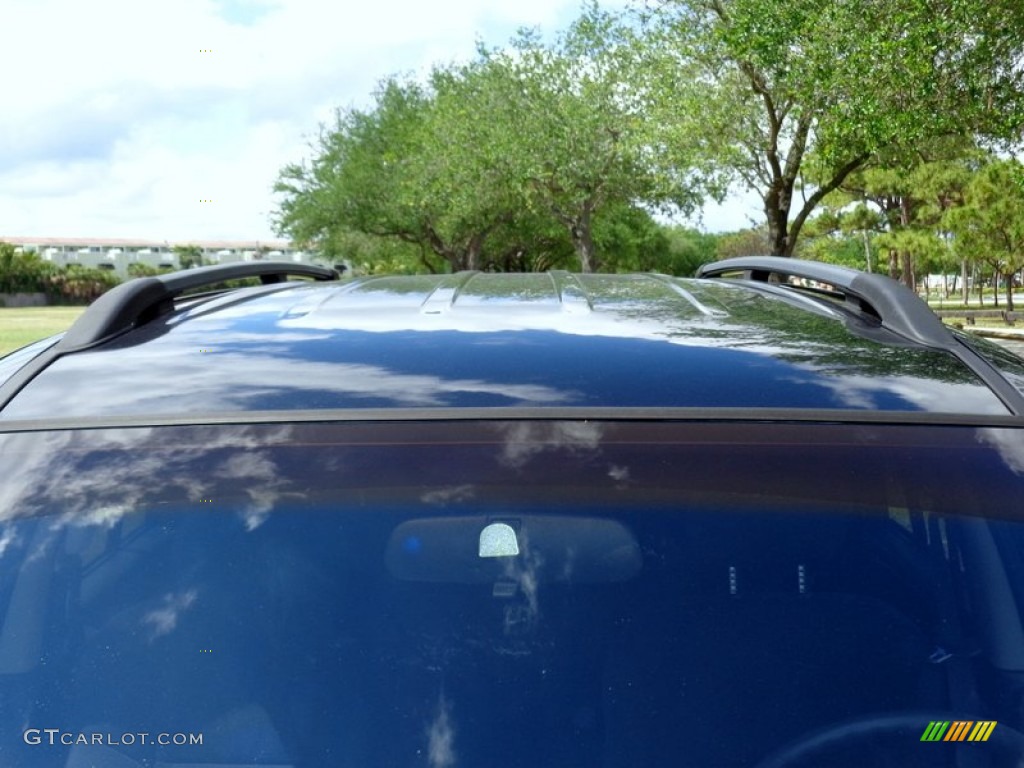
{"x":116,"y":254}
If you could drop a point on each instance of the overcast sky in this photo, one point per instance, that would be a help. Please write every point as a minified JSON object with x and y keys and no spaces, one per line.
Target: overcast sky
{"x":120,"y":116}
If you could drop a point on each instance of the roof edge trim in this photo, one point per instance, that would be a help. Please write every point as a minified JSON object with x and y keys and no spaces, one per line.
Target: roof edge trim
{"x":344,"y":415}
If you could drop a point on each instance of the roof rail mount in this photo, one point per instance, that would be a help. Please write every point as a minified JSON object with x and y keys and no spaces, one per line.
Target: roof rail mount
{"x":138,"y":301}
{"x":897,"y":307}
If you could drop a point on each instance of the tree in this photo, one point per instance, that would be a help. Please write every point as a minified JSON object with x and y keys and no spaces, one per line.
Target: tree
{"x":574,"y":123}
{"x":688,"y":249}
{"x":428,"y":165}
{"x":990,"y":223}
{"x":630,"y":240}
{"x":189,"y":255}
{"x":745,"y":242}
{"x":779,"y":94}
{"x":842,"y":233}
{"x":22,"y":271}
{"x":474,"y":165}
{"x":896,"y":203}
{"x":368,"y":254}
{"x":359,"y":177}
{"x":911,"y":195}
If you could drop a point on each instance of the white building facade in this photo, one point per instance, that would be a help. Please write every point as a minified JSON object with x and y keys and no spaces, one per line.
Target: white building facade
{"x":116,"y":254}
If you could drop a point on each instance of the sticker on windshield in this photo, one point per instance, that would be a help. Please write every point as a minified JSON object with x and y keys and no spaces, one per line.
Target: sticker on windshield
{"x":959,"y":730}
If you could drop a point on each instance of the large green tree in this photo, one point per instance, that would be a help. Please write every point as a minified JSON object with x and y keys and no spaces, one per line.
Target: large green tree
{"x":903,"y":198}
{"x":376,"y":172}
{"x":500,"y":162}
{"x":575,"y":117}
{"x":989,"y":226}
{"x":782,"y":93}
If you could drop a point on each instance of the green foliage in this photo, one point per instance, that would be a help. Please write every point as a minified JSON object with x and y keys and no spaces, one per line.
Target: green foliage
{"x":392,"y":172}
{"x":139,"y":269}
{"x":76,"y":284}
{"x":643,"y":245}
{"x":632,"y":241}
{"x":482,"y":164}
{"x":22,"y":272}
{"x":836,"y":248}
{"x":746,"y":242}
{"x":189,"y":256}
{"x":688,"y":250}
{"x":378,"y":255}
{"x":898,"y":202}
{"x":577,"y":129}
{"x":72,"y":284}
{"x":792,"y":97}
{"x":529,"y":242}
{"x":550,"y":154}
{"x":989,"y":226}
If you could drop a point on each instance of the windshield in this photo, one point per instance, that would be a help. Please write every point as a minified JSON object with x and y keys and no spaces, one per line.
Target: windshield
{"x":510,"y":594}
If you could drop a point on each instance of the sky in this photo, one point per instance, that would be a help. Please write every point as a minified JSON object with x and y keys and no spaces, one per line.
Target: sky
{"x":171,"y":119}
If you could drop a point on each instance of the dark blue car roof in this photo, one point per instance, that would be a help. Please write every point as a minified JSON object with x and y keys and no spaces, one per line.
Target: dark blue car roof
{"x":501,"y":341}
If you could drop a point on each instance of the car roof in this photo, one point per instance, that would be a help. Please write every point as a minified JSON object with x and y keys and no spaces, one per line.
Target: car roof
{"x":485,"y":344}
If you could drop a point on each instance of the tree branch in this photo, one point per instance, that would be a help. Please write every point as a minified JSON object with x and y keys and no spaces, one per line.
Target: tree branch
{"x":837,"y":178}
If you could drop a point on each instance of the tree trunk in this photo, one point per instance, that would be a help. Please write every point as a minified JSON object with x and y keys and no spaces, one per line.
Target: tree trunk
{"x":906,"y":259}
{"x":1009,"y":291}
{"x":456,"y":257}
{"x":583,"y":241}
{"x":585,"y":250}
{"x":964,"y":290}
{"x":776,"y":213}
{"x":474,"y":250}
{"x":791,"y":232}
{"x":907,"y":270}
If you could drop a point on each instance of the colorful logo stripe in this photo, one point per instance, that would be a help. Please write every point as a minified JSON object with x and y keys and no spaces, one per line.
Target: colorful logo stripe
{"x":959,"y":730}
{"x":982,"y":730}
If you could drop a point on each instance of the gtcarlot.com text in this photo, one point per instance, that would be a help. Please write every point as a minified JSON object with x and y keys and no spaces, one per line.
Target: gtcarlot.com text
{"x":55,"y":736}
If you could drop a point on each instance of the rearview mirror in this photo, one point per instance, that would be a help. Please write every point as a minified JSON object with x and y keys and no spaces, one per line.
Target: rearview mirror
{"x":480,"y":550}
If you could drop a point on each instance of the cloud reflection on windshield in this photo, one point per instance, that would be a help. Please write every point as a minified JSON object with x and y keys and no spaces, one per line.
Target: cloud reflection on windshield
{"x":525,"y":441}
{"x":1008,"y":443}
{"x":441,"y":736}
{"x":256,"y":379}
{"x":163,"y":620}
{"x":54,"y":473}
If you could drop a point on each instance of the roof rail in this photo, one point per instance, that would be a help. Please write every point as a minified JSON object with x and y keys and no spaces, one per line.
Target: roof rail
{"x":140,"y":300}
{"x":898,"y":308}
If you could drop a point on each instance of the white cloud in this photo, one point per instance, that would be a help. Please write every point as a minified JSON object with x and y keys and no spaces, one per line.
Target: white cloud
{"x":117,"y":122}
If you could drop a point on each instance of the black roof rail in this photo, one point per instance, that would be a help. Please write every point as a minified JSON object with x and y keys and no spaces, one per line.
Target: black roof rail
{"x":897,"y":307}
{"x":140,"y":300}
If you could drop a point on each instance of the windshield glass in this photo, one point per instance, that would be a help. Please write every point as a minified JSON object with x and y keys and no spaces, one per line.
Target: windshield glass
{"x":510,"y":594}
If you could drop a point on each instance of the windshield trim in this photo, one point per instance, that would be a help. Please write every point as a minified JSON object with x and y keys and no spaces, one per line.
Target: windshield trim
{"x":371,"y":415}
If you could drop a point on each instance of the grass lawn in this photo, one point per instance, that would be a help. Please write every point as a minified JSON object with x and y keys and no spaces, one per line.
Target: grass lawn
{"x":19,"y":327}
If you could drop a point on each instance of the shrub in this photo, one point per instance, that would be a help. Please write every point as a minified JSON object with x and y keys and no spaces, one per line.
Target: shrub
{"x":75,"y":284}
{"x":22,"y":272}
{"x":138,"y":269}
